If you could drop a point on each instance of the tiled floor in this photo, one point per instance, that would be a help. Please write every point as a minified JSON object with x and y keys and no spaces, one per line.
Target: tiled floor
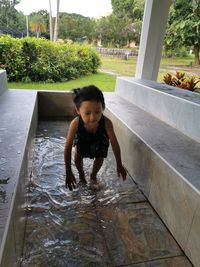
{"x":112,"y":226}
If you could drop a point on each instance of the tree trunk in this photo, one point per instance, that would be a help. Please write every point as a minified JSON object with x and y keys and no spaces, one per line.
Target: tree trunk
{"x":56,"y":22}
{"x":196,"y":54}
{"x":50,"y":22}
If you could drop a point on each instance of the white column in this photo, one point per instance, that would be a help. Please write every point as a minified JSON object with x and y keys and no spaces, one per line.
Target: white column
{"x":27,"y":26}
{"x":152,"y":36}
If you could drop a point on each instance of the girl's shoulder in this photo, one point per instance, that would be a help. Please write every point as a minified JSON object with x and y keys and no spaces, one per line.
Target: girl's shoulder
{"x":106,"y":119}
{"x":72,"y":129}
{"x":74,"y":122}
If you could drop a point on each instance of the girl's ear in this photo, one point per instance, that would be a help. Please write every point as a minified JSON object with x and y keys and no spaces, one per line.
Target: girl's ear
{"x":77,"y":110}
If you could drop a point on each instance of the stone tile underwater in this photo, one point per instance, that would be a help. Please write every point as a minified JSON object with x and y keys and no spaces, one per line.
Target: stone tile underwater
{"x":112,"y":226}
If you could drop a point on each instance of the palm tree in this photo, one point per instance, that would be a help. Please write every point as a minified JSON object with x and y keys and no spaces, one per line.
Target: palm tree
{"x":38,"y":22}
{"x":56,"y":22}
{"x":37,"y":27}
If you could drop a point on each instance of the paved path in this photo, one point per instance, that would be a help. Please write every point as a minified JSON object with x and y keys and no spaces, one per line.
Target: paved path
{"x":172,"y":69}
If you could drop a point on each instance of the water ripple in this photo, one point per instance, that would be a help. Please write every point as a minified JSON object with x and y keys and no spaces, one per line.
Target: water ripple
{"x":62,"y":226}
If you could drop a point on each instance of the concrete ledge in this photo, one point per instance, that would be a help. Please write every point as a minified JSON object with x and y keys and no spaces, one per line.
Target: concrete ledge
{"x":18,"y":116}
{"x":165,"y":164}
{"x":3,"y":82}
{"x":177,"y":107}
{"x":54,"y":104}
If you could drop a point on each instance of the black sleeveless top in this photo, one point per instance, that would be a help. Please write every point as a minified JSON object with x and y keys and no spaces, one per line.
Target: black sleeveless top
{"x":92,"y":145}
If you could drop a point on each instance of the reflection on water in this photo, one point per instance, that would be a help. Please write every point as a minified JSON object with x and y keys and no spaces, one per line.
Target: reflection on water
{"x":63,"y":227}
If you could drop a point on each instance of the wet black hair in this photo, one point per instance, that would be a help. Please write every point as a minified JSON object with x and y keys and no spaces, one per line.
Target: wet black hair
{"x":88,"y":93}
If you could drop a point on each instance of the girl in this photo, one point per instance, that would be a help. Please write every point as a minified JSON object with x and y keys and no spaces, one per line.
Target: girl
{"x":90,"y":133}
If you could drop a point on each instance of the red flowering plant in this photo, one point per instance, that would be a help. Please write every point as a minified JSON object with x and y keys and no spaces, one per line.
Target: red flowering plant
{"x":180,"y":80}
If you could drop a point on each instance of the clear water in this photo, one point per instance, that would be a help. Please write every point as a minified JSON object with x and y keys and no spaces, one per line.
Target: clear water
{"x":113,"y":226}
{"x":63,"y":227}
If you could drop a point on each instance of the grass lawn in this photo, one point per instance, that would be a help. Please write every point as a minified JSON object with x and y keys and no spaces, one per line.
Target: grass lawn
{"x":119,"y":66}
{"x":104,"y":81}
{"x":127,"y":67}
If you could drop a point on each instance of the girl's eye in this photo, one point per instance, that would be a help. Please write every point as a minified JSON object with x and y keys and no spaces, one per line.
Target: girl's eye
{"x":87,"y":113}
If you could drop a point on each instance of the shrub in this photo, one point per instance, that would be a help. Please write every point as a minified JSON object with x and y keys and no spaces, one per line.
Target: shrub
{"x":11,"y":57}
{"x":33,"y":59}
{"x":180,"y":80}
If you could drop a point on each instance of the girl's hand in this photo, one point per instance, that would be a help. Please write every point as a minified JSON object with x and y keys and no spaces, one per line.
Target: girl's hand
{"x":121,"y":171}
{"x":70,"y":181}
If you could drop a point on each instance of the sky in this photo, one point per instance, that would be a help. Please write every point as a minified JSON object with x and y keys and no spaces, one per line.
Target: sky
{"x":88,"y":8}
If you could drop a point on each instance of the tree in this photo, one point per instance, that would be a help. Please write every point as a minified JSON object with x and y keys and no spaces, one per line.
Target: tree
{"x":37,"y":27}
{"x":38,"y":22}
{"x":121,"y":8}
{"x":118,"y":31}
{"x":130,"y":8}
{"x":8,"y":13}
{"x":134,"y":31}
{"x":76,"y":27}
{"x":130,"y":13}
{"x":108,"y":30}
{"x":113,"y":30}
{"x":184,"y":26}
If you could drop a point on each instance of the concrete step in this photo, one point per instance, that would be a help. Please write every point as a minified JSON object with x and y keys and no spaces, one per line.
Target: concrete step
{"x":165,"y":164}
{"x":177,"y":107}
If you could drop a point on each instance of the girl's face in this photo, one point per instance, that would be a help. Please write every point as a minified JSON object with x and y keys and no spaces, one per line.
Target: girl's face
{"x":90,"y":112}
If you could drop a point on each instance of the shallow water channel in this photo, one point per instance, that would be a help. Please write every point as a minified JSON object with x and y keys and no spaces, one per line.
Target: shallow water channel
{"x":112,"y":226}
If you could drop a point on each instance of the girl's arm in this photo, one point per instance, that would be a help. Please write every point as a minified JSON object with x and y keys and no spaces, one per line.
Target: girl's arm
{"x":115,"y":147}
{"x":70,"y":179}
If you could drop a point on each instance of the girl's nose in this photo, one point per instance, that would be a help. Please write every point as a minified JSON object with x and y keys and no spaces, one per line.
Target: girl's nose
{"x":92,"y":117}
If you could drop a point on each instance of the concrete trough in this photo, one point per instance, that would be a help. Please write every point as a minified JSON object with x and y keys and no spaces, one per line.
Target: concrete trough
{"x":163,"y":160}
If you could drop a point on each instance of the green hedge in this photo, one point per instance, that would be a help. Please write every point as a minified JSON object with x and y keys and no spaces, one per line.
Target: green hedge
{"x":32,"y":59}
